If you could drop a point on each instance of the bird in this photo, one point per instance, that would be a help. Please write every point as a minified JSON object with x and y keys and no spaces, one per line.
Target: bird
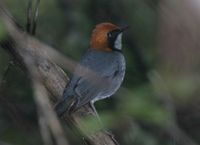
{"x":100,"y":72}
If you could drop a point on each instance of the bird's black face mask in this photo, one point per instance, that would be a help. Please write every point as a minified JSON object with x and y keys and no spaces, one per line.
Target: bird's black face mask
{"x":112,"y":38}
{"x":115,"y":39}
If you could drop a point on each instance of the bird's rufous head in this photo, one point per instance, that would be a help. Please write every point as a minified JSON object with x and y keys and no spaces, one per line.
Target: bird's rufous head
{"x":106,"y":37}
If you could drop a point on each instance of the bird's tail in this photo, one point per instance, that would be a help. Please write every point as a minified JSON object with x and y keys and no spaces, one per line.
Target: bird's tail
{"x":66,"y":104}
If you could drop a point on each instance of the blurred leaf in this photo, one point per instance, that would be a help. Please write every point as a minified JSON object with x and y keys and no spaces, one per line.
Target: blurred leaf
{"x":143,"y":106}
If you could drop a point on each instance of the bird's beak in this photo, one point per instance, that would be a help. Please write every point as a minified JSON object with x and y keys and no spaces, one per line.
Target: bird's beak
{"x":124,"y":28}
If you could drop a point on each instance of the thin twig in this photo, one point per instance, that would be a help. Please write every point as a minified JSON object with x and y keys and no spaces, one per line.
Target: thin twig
{"x":32,"y":16}
{"x":35,"y":17}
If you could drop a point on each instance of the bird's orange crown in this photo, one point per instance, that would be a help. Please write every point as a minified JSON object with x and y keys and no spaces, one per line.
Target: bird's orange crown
{"x":99,"y":36}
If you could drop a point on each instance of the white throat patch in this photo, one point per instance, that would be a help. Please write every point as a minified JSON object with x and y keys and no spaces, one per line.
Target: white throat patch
{"x":118,"y":42}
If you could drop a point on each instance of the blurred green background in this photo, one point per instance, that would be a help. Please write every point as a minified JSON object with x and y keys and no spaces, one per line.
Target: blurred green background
{"x":145,"y":111}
